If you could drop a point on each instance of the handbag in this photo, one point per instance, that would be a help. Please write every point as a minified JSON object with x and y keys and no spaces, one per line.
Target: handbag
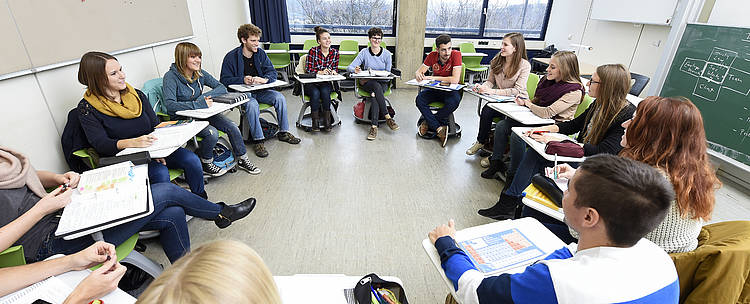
{"x":566,"y":147}
{"x":548,"y":187}
{"x":371,"y":284}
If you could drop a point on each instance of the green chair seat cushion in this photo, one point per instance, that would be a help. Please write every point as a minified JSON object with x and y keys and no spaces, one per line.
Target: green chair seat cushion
{"x":12,"y":256}
{"x":123,"y":249}
{"x":477,"y":69}
{"x":436,"y":104}
{"x":280,"y":66}
{"x":334,"y":95}
{"x":263,"y":106}
{"x":175,"y":173}
{"x":363,"y":93}
{"x":221,"y":133}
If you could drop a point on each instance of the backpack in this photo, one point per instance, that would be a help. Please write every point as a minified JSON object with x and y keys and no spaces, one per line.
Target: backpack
{"x":269,"y":129}
{"x":223,"y":157}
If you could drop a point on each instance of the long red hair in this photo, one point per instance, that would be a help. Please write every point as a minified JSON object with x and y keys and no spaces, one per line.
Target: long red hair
{"x":668,"y":133}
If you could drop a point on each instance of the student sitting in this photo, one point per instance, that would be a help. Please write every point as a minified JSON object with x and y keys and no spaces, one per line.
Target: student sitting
{"x":323,"y":60}
{"x":599,"y":131}
{"x":183,"y":90}
{"x":509,"y":72}
{"x":375,"y":58}
{"x":446,"y":66}
{"x":612,"y":202}
{"x":557,"y":97}
{"x":27,"y":213}
{"x":249,"y":64}
{"x":97,"y":284}
{"x":202,"y":276}
{"x":678,"y":150}
{"x":115,"y":116}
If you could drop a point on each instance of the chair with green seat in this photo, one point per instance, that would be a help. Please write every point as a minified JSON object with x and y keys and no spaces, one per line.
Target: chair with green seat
{"x":309,"y":43}
{"x":473,"y":63}
{"x":453,"y":127}
{"x":531,"y":84}
{"x":12,"y":256}
{"x":304,"y":119}
{"x":382,"y":44}
{"x":585,"y":103}
{"x":345,"y":60}
{"x":280,"y":61}
{"x":368,"y":99}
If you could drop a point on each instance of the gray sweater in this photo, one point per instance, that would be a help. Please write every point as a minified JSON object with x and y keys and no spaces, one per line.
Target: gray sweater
{"x":368,"y":60}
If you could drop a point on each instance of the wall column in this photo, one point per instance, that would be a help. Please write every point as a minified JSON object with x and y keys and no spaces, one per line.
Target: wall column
{"x":410,"y":37}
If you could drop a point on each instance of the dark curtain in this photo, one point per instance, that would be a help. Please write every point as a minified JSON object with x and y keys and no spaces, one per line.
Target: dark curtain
{"x":271,"y":17}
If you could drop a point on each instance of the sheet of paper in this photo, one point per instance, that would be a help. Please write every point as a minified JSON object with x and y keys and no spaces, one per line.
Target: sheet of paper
{"x":52,"y":290}
{"x":418,"y":83}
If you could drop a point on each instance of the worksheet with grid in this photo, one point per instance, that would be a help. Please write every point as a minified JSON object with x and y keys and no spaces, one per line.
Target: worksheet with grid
{"x":500,"y":251}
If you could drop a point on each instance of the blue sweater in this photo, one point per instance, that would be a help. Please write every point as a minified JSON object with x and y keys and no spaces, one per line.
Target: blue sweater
{"x":103,"y":131}
{"x":180,"y":94}
{"x":367,"y":59}
{"x":233,"y":67}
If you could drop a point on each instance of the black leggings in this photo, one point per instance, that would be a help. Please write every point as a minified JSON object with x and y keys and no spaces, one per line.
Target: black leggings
{"x":377,"y":87}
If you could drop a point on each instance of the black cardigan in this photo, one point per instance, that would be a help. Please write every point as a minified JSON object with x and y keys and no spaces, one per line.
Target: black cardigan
{"x":611,"y":141}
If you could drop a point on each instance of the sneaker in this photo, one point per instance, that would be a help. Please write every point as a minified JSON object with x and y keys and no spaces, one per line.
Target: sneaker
{"x":474,"y":148}
{"x":288,"y":137}
{"x":212,"y":169}
{"x":485,"y":163}
{"x":245,"y":164}
{"x":373,"y":133}
{"x":260,"y":150}
{"x":423,"y":128}
{"x":391,"y":124}
{"x":442,"y":134}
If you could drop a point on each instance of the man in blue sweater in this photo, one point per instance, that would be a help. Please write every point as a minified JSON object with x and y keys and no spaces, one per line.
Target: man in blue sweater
{"x":249,"y":64}
{"x":612,"y":202}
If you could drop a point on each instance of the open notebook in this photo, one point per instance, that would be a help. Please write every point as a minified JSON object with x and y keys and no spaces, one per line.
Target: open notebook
{"x":106,"y":197}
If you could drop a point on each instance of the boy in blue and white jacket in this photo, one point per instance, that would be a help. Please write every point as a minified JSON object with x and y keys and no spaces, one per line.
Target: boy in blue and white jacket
{"x":249,"y":64}
{"x":612,"y":202}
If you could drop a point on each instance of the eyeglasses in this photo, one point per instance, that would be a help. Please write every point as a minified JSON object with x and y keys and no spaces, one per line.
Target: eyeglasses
{"x":377,"y":38}
{"x":594,"y":82}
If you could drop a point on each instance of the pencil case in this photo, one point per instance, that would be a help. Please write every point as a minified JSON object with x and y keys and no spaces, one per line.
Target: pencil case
{"x":548,"y":187}
{"x":564,"y":148}
{"x":307,"y":75}
{"x":387,"y":292}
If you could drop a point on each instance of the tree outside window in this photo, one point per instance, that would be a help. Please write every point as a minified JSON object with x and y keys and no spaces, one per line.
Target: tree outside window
{"x":341,"y":16}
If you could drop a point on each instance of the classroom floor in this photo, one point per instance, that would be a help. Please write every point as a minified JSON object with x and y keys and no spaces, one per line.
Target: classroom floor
{"x":340,"y":204}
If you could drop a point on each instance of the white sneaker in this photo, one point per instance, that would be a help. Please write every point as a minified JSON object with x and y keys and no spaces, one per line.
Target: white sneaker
{"x":474,"y":148}
{"x":485,"y":163}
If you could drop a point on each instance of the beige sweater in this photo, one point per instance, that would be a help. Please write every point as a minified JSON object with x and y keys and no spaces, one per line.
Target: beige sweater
{"x":511,"y":86}
{"x":562,"y":109}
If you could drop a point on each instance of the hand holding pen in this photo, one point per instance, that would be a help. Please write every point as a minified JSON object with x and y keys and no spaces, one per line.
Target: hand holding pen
{"x":143,"y":141}
{"x":521,"y":100}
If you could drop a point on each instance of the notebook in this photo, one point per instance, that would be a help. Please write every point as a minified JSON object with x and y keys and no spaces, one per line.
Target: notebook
{"x":230,"y":98}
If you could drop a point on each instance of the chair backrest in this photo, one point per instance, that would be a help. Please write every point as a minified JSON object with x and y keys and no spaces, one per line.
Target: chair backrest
{"x":463,"y":73}
{"x":639,"y":83}
{"x":301,"y":63}
{"x":434,"y":47}
{"x":309,"y":43}
{"x":279,"y":60}
{"x":12,"y":256}
{"x":349,"y":45}
{"x":587,"y":100}
{"x":382,"y":44}
{"x":153,"y":90}
{"x":531,"y":84}
{"x":467,"y":47}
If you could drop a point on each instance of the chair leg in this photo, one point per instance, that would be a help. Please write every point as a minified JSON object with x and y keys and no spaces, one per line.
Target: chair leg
{"x":136,"y":259}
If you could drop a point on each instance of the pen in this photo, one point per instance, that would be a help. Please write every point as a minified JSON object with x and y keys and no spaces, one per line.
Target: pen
{"x":377,"y":297}
{"x":555,"y":168}
{"x":539,"y":132}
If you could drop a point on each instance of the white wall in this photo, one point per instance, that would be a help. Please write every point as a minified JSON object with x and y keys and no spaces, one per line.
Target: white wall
{"x":637,"y":46}
{"x":35,"y":106}
{"x":730,"y":13}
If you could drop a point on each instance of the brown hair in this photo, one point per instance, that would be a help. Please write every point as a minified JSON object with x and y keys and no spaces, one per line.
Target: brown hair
{"x":631,"y":198}
{"x":668,"y":133}
{"x":442,"y":39}
{"x":182,"y":51}
{"x":374,"y":31}
{"x":319,"y":30}
{"x":614,"y":84}
{"x":498,"y":62}
{"x":92,"y":72}
{"x":247,"y":30}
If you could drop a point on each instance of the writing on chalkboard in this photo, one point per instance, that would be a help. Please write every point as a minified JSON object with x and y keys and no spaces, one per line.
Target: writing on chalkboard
{"x":716,"y":73}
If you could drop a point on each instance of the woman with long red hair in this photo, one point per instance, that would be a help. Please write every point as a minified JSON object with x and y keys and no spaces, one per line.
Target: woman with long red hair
{"x":667,"y":133}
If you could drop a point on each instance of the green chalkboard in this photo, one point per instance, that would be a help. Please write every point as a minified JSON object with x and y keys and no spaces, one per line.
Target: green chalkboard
{"x":712,"y":68}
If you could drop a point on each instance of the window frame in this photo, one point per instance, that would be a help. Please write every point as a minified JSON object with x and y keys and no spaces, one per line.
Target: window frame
{"x":393,"y":26}
{"x":483,"y":20}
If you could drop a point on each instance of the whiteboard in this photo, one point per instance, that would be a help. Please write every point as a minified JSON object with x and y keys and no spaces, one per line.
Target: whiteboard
{"x":40,"y":33}
{"x":635,"y":11}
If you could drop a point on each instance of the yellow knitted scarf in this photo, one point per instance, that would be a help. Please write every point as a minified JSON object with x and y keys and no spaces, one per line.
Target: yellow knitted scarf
{"x":131,"y":106}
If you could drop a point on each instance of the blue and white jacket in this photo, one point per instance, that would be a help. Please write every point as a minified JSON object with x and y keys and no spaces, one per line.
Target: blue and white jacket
{"x":643,"y":273}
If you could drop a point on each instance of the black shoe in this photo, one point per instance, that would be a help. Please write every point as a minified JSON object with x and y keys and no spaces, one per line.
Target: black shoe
{"x":234,"y":212}
{"x":204,"y":195}
{"x":327,"y":121}
{"x":495,"y":167}
{"x":504,"y":209}
{"x":315,"y":117}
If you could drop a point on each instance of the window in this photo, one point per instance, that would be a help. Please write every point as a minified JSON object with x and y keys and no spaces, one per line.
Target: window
{"x":341,"y":16}
{"x":488,"y":18}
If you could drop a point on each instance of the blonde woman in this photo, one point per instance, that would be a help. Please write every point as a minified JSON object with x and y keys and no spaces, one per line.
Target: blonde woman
{"x":599,"y":130}
{"x":218,"y":272}
{"x":557,"y":96}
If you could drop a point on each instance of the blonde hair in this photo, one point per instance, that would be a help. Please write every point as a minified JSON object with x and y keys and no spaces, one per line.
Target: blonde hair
{"x":218,"y":272}
{"x":614,"y":84}
{"x":498,"y":62}
{"x":567,"y":63}
{"x":182,"y":52}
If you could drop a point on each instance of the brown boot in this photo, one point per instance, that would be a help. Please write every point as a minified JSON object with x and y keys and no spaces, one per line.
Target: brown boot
{"x":315,"y":116}
{"x":327,"y":121}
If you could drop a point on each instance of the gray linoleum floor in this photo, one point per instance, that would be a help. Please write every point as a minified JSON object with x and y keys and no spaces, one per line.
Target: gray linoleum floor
{"x":339,"y":204}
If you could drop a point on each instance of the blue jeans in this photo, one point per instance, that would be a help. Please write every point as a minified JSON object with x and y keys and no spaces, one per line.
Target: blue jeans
{"x":179,"y":159}
{"x":252,"y":112}
{"x":171,"y":203}
{"x":320,"y":94}
{"x":502,"y":131}
{"x":211,"y":136}
{"x":451,"y":99}
{"x":525,"y":163}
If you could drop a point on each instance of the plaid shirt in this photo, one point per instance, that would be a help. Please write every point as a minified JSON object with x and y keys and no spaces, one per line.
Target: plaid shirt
{"x":317,"y":62}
